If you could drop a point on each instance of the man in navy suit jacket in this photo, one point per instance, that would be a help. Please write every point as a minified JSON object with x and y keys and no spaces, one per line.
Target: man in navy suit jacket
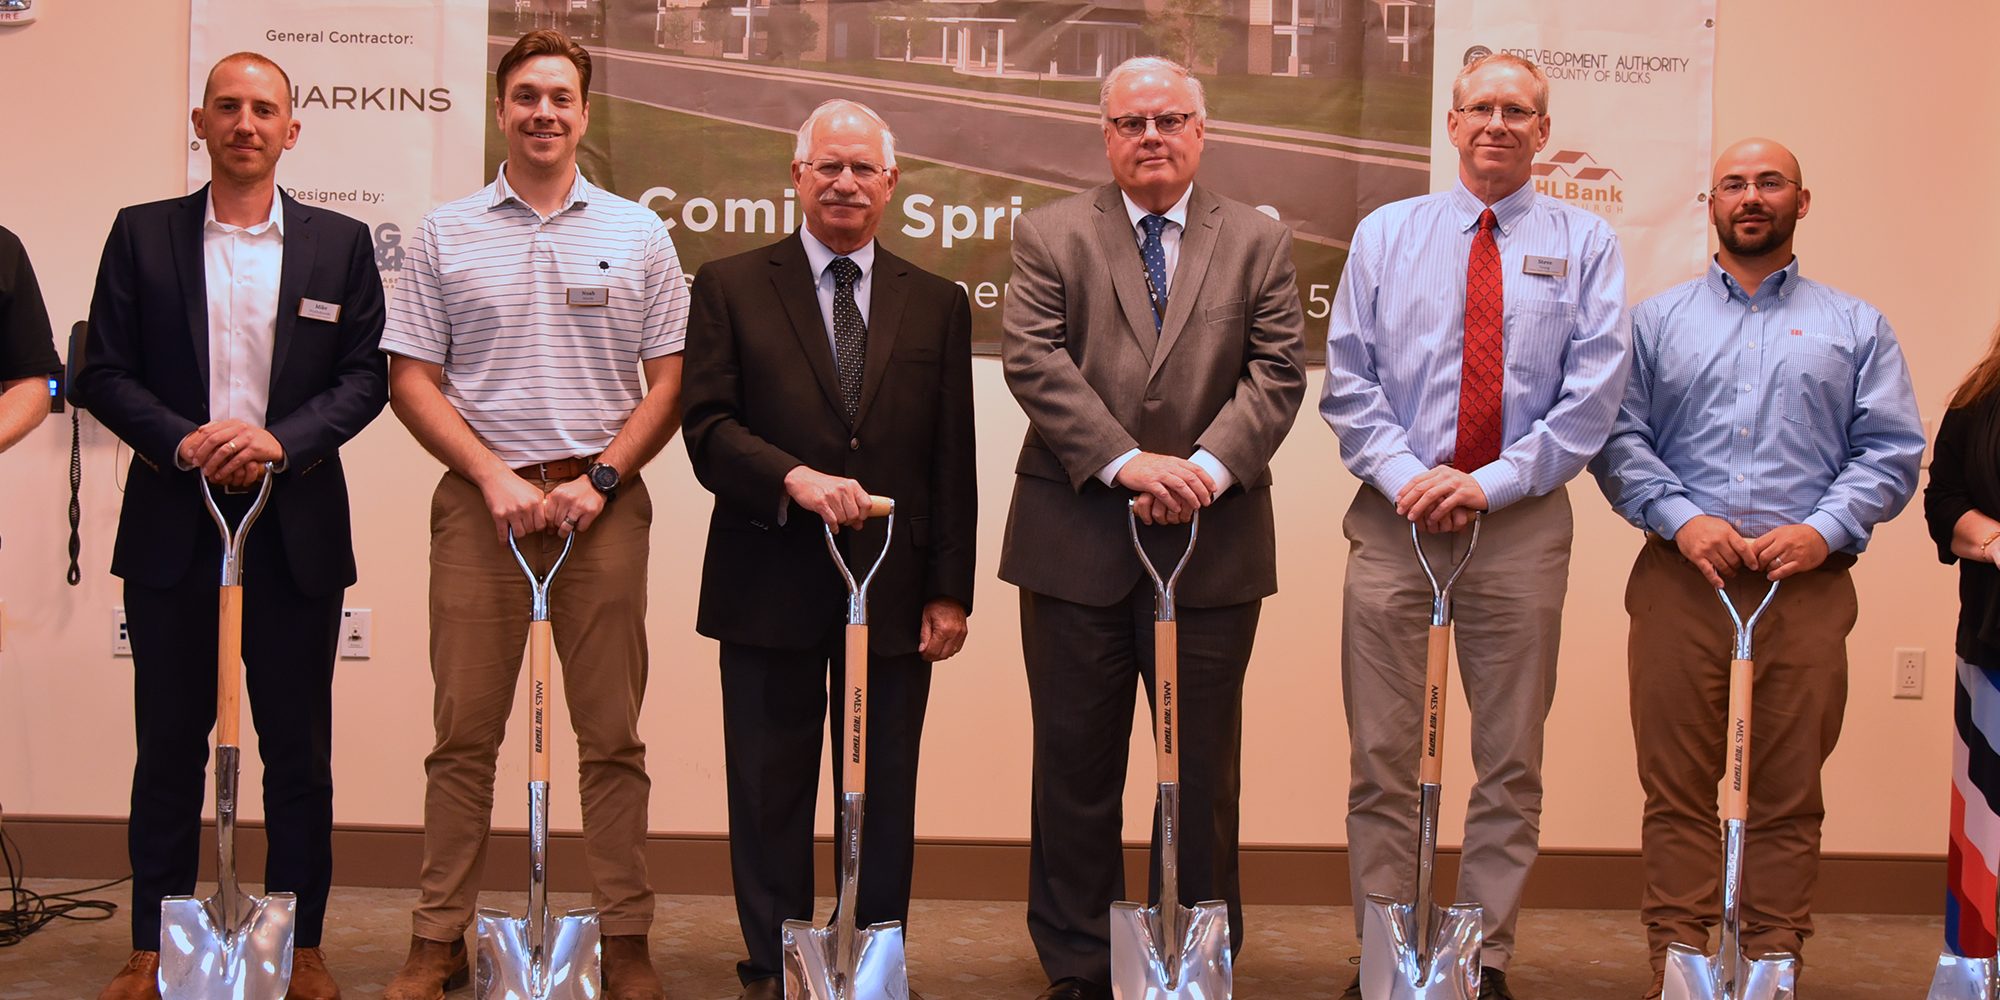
{"x":232,"y":328}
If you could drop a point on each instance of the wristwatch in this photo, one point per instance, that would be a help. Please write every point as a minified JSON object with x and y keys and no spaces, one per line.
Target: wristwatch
{"x":603,"y":479}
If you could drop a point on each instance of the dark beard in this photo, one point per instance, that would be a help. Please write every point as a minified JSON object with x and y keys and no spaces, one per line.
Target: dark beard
{"x":1776,"y":234}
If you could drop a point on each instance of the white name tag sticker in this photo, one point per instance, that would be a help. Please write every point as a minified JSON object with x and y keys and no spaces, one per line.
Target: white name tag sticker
{"x":589,"y":296}
{"x":328,"y":312}
{"x":1553,"y":267}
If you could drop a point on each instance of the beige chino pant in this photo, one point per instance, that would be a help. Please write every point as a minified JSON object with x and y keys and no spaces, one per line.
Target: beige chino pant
{"x":1508,"y":613}
{"x":479,"y":606}
{"x":1681,"y":644}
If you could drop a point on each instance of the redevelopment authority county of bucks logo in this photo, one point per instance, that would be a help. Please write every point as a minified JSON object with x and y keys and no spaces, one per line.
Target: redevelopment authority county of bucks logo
{"x":1575,"y":176}
{"x":1474,"y":54}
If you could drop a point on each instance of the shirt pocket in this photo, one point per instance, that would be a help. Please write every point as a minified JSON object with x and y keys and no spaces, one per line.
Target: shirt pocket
{"x":1537,"y":335}
{"x":1814,"y":384}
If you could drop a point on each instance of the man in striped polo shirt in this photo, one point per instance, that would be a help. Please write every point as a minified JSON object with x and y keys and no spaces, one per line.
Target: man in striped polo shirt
{"x":1474,"y":359}
{"x":524,"y":317}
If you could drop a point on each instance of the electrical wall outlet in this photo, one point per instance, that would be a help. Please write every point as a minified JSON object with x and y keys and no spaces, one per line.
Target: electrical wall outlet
{"x":121,"y":639}
{"x":357,"y":633}
{"x":1909,"y":673}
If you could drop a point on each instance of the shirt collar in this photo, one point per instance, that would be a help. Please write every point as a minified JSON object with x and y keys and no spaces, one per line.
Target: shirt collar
{"x":820,"y":256}
{"x":276,"y":219}
{"x":503,"y":192}
{"x":1506,"y":211}
{"x":1780,"y":283}
{"x":1176,"y":215}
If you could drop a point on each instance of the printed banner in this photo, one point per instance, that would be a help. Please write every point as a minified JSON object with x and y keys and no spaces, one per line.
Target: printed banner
{"x":390,"y":95}
{"x":1631,"y":109}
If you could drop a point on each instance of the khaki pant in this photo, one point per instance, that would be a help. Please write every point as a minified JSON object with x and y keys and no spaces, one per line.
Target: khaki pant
{"x":479,"y":605}
{"x":1681,"y":645}
{"x":1508,"y":619}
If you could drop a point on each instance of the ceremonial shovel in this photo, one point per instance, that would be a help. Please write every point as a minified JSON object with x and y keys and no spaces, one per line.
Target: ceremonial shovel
{"x":233,"y":944}
{"x":538,"y":957}
{"x":1419,"y":950}
{"x":840,"y":961}
{"x":1729,"y":975}
{"x":1168,"y":951}
{"x":1961,"y":978}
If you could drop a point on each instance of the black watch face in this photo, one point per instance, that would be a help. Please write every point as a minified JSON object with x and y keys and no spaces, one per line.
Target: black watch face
{"x":604,"y":477}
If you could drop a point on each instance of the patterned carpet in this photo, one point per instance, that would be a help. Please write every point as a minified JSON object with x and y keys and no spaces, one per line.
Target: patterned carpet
{"x":980,"y":951}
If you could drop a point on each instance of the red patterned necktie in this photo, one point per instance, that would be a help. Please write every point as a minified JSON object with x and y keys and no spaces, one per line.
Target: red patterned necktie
{"x":1479,"y":379}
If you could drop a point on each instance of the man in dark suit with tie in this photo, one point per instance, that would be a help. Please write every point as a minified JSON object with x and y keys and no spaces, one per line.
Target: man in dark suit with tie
{"x":1152,"y":335}
{"x":821,"y":369}
{"x":232,"y":328}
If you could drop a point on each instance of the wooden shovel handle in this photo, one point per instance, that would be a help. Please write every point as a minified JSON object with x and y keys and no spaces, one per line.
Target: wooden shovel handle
{"x":540,"y":651}
{"x":854,"y":741}
{"x":1736,"y":774}
{"x":229,"y":668}
{"x":1166,"y":697}
{"x":880,"y":506}
{"x":1437,"y":673}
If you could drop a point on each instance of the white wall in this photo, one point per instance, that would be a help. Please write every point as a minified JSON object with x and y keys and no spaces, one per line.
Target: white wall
{"x":1885,"y":110}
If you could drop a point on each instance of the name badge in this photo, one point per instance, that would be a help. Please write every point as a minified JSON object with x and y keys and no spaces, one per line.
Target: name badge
{"x":315,"y":309}
{"x":589,"y":296}
{"x":1553,"y":267}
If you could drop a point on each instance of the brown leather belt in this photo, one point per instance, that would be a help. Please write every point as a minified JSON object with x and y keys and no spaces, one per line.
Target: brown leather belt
{"x":560,"y":470}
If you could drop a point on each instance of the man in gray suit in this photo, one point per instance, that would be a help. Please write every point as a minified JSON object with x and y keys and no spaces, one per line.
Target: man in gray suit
{"x":1152,"y":336}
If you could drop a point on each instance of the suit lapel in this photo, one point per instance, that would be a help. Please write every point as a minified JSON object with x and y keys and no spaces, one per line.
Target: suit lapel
{"x":1128,"y":274}
{"x":792,"y":279}
{"x":1197,"y":246}
{"x":296,"y":266}
{"x":885,"y":316}
{"x":192,"y":266}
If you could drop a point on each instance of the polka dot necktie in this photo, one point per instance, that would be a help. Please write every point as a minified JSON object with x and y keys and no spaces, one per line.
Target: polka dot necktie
{"x":1480,"y":377}
{"x":850,"y":334}
{"x":1154,"y":254}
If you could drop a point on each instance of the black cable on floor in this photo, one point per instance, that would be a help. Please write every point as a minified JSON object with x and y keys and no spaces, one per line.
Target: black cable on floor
{"x":24,"y":911}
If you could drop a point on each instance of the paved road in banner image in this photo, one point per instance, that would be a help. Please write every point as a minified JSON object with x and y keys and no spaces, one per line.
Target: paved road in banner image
{"x":1320,"y":190}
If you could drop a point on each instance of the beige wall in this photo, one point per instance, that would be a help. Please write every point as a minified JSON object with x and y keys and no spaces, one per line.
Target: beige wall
{"x":1883,"y":109}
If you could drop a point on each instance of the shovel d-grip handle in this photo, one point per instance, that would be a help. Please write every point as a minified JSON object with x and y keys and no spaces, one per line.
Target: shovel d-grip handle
{"x":541,"y":642}
{"x":229,"y":617}
{"x":1437,"y":653}
{"x":1166,"y":644}
{"x":1736,"y":776}
{"x":854,"y":737}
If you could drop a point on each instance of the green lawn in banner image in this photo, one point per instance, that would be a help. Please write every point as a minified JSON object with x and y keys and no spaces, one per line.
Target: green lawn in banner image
{"x":633,"y":148}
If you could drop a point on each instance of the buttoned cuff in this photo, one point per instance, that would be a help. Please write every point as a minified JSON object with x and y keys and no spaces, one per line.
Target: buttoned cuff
{"x":1109,"y":474}
{"x":1215,"y":469}
{"x":1397,"y":473}
{"x":1670,"y":513}
{"x":1837,"y":537}
{"x":1498,"y":481}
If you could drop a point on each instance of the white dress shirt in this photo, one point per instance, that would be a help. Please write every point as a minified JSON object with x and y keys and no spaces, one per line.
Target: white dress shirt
{"x":820,"y":256}
{"x":1170,"y":241}
{"x":242,"y":266}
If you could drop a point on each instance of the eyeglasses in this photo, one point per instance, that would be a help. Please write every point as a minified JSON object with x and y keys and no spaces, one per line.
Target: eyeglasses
{"x":830,"y":170}
{"x":1168,"y":123}
{"x":1768,"y":185}
{"x":1513,"y":114}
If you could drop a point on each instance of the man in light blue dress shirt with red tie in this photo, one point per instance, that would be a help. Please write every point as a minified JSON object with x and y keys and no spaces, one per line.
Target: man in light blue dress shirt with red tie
{"x":1769,"y":425}
{"x":1474,"y":361}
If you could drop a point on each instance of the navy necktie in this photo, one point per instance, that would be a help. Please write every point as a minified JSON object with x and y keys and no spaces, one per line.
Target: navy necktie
{"x":1154,"y":254}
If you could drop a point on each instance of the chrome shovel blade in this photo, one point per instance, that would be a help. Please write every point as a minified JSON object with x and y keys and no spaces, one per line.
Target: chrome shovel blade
{"x":1692,"y":975}
{"x":1960,"y":978}
{"x":1393,"y":967}
{"x":1143,"y":967}
{"x":508,"y":968}
{"x":812,"y":965}
{"x":200,"y":959}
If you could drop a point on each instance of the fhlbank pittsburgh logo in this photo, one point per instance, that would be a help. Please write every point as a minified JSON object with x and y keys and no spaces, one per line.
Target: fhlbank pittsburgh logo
{"x":1575,"y":176}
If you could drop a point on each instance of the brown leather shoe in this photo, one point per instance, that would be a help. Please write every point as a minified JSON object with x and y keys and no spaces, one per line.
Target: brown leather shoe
{"x":310,"y":980}
{"x":433,"y":969}
{"x":138,"y":980}
{"x":628,"y":969}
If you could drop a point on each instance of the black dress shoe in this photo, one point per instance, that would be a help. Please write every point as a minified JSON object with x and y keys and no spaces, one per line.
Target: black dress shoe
{"x":1075,"y":988}
{"x":1493,"y":985}
{"x":765,"y":989}
{"x":1353,"y":991}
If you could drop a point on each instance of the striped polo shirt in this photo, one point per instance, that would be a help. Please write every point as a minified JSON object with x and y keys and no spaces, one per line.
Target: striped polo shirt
{"x":540,"y":322}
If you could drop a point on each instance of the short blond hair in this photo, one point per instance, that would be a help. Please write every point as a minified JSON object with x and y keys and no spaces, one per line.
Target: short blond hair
{"x":1505,"y":59}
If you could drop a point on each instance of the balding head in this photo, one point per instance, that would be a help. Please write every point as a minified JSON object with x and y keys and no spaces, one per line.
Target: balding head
{"x":1755,"y":154}
{"x":1757,"y":201}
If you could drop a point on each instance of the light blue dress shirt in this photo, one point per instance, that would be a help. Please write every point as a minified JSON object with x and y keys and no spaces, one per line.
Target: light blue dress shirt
{"x":820,"y":257}
{"x":1396,"y":340}
{"x":1791,"y":406}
